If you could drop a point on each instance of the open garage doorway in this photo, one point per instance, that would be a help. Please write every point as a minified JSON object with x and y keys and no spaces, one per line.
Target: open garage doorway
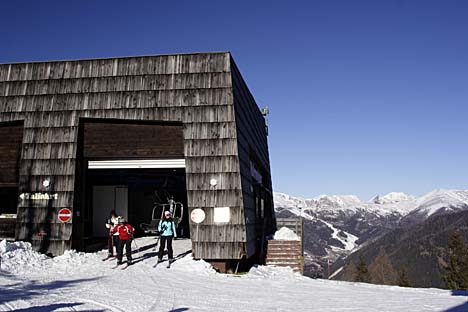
{"x":131,"y":167}
{"x":137,"y":195}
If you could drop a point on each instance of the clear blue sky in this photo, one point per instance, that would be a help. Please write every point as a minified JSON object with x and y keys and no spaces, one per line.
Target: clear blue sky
{"x":366,"y":97}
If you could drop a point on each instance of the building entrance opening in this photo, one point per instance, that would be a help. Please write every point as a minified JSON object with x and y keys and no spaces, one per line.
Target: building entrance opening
{"x":138,"y":195}
{"x":11,"y":134}
{"x":135,"y":168}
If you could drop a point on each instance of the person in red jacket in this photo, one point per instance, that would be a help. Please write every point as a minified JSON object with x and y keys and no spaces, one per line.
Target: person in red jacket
{"x":125,"y":231}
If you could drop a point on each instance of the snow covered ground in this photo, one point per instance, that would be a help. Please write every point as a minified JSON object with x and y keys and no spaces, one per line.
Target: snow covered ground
{"x":83,"y":282}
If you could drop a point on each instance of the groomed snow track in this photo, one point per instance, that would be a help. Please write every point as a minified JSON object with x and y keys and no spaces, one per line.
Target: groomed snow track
{"x":82,"y":282}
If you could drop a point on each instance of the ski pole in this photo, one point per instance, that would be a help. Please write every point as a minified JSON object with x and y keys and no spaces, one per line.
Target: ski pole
{"x":157,"y":241}
{"x":110,"y":243}
{"x":136,"y":246}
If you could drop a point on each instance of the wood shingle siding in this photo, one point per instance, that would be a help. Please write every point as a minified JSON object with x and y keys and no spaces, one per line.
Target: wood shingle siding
{"x":252,"y":148}
{"x":116,"y":100}
{"x":213,"y":164}
{"x":128,"y":66}
{"x":116,"y":84}
{"x":134,"y":140}
{"x":204,"y":112}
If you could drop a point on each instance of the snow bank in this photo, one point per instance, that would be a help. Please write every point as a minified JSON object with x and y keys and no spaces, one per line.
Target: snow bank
{"x":74,"y":258}
{"x":272,"y":272}
{"x":188,"y":264}
{"x":285,"y":234}
{"x":19,"y":257}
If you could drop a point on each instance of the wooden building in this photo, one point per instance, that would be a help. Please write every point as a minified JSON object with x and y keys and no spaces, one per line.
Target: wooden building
{"x":189,"y":117}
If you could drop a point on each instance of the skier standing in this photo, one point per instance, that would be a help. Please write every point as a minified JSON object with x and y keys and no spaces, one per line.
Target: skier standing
{"x":113,"y":239}
{"x":125,"y":232}
{"x":167,"y":230}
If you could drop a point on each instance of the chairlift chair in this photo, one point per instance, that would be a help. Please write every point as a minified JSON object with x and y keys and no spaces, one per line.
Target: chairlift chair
{"x":176,"y":209}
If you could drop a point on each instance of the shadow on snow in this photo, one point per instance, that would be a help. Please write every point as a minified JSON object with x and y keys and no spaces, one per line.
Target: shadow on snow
{"x":459,"y":308}
{"x":460,"y":293}
{"x":24,"y":290}
{"x":155,"y":253}
{"x":54,"y":307}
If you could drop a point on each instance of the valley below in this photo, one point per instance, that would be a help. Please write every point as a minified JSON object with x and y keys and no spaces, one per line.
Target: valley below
{"x":393,"y":233}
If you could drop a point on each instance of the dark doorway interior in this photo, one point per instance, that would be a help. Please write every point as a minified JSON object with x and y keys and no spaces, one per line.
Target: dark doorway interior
{"x":11,"y":137}
{"x":8,"y":209}
{"x":141,"y":188}
{"x":9,"y":196}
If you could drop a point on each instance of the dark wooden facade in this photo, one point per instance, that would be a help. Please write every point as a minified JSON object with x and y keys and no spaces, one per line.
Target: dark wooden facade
{"x":116,"y":140}
{"x":223,"y":137}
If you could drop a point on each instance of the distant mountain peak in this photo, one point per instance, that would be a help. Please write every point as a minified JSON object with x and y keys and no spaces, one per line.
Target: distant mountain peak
{"x":337,"y":201}
{"x":441,"y":199}
{"x":375,"y":199}
{"x":392,"y":197}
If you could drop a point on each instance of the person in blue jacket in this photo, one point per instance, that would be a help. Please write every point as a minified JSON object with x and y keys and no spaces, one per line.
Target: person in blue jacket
{"x":167,"y":230}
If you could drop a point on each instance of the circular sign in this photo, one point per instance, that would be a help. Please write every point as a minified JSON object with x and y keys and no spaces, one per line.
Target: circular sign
{"x":197,"y":215}
{"x":64,"y":215}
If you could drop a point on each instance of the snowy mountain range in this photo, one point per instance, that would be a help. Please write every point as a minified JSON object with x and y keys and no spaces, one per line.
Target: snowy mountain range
{"x":338,"y":225}
{"x":394,"y":202}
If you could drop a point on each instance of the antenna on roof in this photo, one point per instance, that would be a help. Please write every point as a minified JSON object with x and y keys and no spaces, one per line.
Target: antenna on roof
{"x":265,"y":111}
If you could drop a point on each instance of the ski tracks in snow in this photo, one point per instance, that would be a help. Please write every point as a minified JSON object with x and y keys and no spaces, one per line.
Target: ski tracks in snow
{"x":82,"y":282}
{"x":8,"y":306}
{"x":107,"y":307}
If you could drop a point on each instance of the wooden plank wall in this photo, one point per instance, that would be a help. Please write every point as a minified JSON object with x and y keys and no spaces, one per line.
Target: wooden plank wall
{"x":133,"y":140}
{"x":253,"y":147}
{"x":194,"y":89}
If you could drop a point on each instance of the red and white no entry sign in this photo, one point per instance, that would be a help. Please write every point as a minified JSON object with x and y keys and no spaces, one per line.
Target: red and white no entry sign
{"x":64,"y":214}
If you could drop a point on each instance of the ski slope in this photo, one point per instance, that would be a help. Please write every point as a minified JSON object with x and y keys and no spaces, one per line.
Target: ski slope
{"x":349,"y":242}
{"x":83,"y":282}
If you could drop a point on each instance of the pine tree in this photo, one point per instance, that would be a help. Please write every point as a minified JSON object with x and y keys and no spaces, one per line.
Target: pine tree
{"x":403,"y":280}
{"x":381,"y":270}
{"x":456,"y":269}
{"x":362,"y":273}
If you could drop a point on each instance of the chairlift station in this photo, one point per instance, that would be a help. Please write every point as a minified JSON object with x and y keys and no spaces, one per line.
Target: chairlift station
{"x":134,"y":134}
